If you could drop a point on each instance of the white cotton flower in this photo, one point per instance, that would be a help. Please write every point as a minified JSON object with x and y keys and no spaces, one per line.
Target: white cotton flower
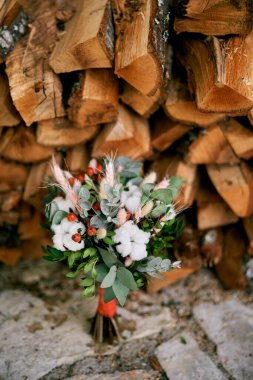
{"x":76,"y":227}
{"x":131,"y":199}
{"x":93,"y":163}
{"x":63,"y":204}
{"x":132,"y":241}
{"x":149,"y":178}
{"x":58,"y":241}
{"x":176,"y":265}
{"x":70,"y":244}
{"x":56,"y":228}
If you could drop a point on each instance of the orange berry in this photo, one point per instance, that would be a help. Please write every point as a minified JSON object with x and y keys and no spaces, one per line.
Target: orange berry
{"x":128,"y":215}
{"x":71,"y":180}
{"x":99,"y":168}
{"x":91,"y":231}
{"x":90,"y":171}
{"x":72,"y":217}
{"x":80,"y":177}
{"x":96,"y":206}
{"x":76,"y":238}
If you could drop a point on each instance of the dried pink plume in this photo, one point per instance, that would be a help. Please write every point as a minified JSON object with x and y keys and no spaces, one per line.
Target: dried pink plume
{"x":163,"y":184}
{"x":128,"y":261}
{"x":122,"y":216}
{"x":137,"y":214}
{"x":109,"y":173}
{"x":61,"y":177}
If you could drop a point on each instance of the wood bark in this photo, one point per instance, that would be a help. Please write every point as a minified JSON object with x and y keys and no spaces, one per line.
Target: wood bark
{"x":89,"y":39}
{"x":248,"y":226}
{"x":12,"y":175}
{"x":9,"y":116}
{"x":143,"y":63}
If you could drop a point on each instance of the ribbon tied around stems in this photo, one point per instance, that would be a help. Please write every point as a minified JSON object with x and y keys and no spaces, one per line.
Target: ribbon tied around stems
{"x":106,"y":309}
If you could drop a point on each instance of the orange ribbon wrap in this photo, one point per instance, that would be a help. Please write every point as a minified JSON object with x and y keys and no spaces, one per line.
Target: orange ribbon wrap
{"x":106,"y":309}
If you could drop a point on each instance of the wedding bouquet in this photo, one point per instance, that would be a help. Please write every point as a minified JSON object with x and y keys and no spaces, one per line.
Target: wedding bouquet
{"x":112,"y":226}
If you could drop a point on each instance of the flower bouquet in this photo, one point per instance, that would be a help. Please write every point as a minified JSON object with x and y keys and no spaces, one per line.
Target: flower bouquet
{"x":113,"y":227}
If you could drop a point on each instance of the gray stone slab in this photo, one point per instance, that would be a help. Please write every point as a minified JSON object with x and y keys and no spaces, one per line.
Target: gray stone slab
{"x":230,"y":326}
{"x":186,"y":361}
{"x":128,"y":375}
{"x":34,"y":340}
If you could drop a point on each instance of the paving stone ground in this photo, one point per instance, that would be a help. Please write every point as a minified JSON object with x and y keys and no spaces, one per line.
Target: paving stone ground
{"x":192,"y":330}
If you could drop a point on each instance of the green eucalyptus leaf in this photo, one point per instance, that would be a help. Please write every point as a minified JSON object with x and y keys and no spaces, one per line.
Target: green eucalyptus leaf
{"x":84,"y":193}
{"x":58,"y":216}
{"x":102,"y":271}
{"x":163,"y":195}
{"x":120,"y":291}
{"x":89,"y":252}
{"x":109,"y":278}
{"x":158,"y":211}
{"x":87,"y":282}
{"x":126,"y":278}
{"x":108,"y":258}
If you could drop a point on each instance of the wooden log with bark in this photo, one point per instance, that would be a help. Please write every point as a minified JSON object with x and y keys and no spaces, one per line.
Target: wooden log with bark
{"x":89,"y":39}
{"x":215,"y":17}
{"x":144,"y":63}
{"x":9,"y":116}
{"x":221,"y":83}
{"x":128,"y":136}
{"x":95,"y":98}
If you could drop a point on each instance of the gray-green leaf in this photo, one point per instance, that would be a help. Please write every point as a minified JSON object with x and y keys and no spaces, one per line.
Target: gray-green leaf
{"x":58,"y":216}
{"x":120,"y":291}
{"x":108,"y":258}
{"x":126,"y":278}
{"x":109,"y":278}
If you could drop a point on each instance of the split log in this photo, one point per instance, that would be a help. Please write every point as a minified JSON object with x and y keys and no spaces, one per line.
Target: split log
{"x":235,"y":185}
{"x":33,"y":188}
{"x":142,"y":104}
{"x":9,"y":217}
{"x":168,"y":278}
{"x":31,"y":249}
{"x":223,"y":83}
{"x":248,"y":226}
{"x":89,"y":39}
{"x":239,"y":137}
{"x":12,"y":175}
{"x":211,"y":147}
{"x":35,"y":89}
{"x":212,"y":209}
{"x":77,"y":159}
{"x":9,"y":115}
{"x":215,"y":17}
{"x":229,"y":269}
{"x":30,"y":228}
{"x":10,"y":256}
{"x":61,"y":132}
{"x":10,"y":200}
{"x":174,"y":166}
{"x":165,"y":132}
{"x":128,"y":136}
{"x":7,"y":135}
{"x":212,"y":247}
{"x":250,"y":116}
{"x":180,"y":106}
{"x":143,"y":62}
{"x":95,"y":100}
{"x":24,"y":148}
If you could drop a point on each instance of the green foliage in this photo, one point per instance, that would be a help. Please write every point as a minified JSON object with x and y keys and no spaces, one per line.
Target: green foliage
{"x":109,"y":278}
{"x":120,"y":291}
{"x":108,"y":257}
{"x":126,"y":278}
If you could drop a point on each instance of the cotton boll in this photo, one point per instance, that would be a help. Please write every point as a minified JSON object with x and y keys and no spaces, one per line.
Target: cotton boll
{"x":58,"y":241}
{"x":71,"y":244}
{"x":124,"y":248}
{"x":133,"y":203}
{"x":131,"y":199}
{"x":139,"y":252}
{"x":65,"y":225}
{"x":142,"y":237}
{"x":75,"y":227}
{"x":62,"y":204}
{"x":57,"y":228}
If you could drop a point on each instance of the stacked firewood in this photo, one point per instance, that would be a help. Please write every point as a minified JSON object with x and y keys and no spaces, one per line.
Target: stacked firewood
{"x":171,"y":84}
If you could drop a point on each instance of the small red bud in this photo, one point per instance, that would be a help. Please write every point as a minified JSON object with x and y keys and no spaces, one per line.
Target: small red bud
{"x":71,"y":180}
{"x":76,"y":238}
{"x":99,"y":167}
{"x":80,"y":177}
{"x":90,"y":171}
{"x":128,"y":215}
{"x":72,"y":217}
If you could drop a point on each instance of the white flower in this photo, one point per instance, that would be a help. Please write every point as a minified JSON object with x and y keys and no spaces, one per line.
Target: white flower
{"x":64,"y":231}
{"x":93,"y":163}
{"x":131,"y":199}
{"x":149,"y":178}
{"x":70,"y":244}
{"x":147,"y":208}
{"x":63,"y":204}
{"x":132,"y":241}
{"x":176,"y":264}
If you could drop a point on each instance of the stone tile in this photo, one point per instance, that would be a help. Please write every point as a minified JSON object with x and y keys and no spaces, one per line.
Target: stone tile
{"x":34,"y":340}
{"x":186,"y":361}
{"x":230,"y":326}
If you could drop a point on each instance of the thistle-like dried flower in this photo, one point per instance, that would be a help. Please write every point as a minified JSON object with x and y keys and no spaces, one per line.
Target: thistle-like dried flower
{"x":147,"y":208}
{"x":149,"y":178}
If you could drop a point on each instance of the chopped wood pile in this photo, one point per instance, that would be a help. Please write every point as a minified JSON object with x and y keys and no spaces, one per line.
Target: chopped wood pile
{"x":168,"y":83}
